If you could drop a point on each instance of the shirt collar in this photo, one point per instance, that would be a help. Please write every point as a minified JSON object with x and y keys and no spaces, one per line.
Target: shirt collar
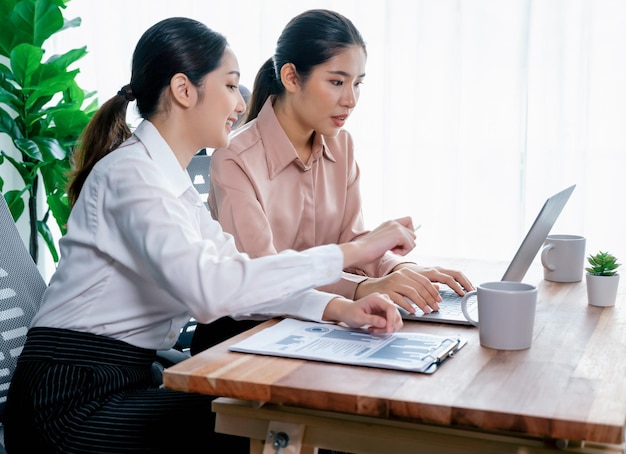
{"x":275,"y":142}
{"x":158,"y":149}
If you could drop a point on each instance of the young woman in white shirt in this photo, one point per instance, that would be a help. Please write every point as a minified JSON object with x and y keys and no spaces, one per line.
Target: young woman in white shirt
{"x":142,"y":255}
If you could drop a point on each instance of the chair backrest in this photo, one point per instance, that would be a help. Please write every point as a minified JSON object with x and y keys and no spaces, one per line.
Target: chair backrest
{"x":21,"y":289}
{"x":199,"y":170}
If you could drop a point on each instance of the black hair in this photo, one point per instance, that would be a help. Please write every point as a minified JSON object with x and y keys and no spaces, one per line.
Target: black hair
{"x":171,"y":46}
{"x":308,"y":40}
{"x":174,"y":45}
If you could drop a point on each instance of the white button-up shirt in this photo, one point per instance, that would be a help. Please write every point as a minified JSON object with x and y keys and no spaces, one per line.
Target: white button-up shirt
{"x":142,"y":254}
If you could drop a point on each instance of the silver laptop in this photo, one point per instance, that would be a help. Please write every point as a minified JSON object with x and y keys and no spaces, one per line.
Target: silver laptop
{"x":450,"y":306}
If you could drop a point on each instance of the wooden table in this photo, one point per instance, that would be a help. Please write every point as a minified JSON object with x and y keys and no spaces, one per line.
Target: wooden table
{"x":568,"y":391}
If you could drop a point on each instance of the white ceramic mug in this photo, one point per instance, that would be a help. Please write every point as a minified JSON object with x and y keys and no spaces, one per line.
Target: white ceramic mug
{"x":506,"y":314}
{"x":563,"y":258}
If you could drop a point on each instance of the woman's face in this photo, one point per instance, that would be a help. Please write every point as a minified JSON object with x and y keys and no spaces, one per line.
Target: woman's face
{"x":324,"y":102}
{"x":221,"y":103}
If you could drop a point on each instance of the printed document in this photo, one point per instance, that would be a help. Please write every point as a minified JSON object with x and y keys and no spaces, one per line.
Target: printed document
{"x":416,"y":352}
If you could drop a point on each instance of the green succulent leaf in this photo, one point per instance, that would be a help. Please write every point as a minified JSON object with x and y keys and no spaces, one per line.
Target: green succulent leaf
{"x":602,"y":264}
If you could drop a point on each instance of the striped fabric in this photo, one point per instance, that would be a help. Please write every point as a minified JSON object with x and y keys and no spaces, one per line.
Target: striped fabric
{"x":75,"y":392}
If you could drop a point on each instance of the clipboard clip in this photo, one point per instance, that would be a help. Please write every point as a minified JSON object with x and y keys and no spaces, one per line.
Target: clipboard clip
{"x":446,"y":349}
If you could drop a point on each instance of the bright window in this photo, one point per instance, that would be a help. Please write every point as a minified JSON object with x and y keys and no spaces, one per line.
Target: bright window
{"x":472,"y":112}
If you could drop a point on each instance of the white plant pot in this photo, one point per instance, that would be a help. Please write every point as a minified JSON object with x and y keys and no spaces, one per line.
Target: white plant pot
{"x":602,"y":290}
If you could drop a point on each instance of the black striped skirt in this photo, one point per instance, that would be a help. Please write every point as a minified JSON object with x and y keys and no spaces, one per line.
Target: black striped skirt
{"x":76,"y":392}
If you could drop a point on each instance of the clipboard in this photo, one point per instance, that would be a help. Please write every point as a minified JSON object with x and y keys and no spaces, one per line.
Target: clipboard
{"x":413,"y":352}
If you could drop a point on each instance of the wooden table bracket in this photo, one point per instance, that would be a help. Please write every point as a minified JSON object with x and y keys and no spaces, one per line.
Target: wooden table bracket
{"x":283,"y":438}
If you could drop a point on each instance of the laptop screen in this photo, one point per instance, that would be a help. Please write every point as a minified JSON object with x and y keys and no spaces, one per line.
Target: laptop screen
{"x":537,"y":235}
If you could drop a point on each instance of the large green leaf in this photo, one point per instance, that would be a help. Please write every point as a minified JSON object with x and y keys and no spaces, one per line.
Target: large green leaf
{"x":25,"y":60}
{"x":7,"y":32}
{"x":44,"y":149}
{"x":7,"y":73}
{"x":51,"y":149}
{"x":10,"y":99}
{"x":45,"y":87}
{"x":60,"y":207}
{"x":25,"y":169}
{"x":6,"y":6}
{"x":37,"y":20}
{"x":65,"y":60}
{"x":44,"y":116}
{"x":74,"y":94}
{"x":70,"y":123}
{"x":9,"y":126}
{"x":56,"y":176}
{"x":29,"y":148}
{"x":15,"y":203}
{"x":46,"y":234}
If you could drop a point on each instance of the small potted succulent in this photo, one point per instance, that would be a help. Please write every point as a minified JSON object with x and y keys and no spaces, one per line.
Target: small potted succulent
{"x":602,"y":279}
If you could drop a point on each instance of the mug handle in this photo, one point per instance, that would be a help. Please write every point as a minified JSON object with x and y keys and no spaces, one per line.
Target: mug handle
{"x":544,"y":257}
{"x":464,"y":307}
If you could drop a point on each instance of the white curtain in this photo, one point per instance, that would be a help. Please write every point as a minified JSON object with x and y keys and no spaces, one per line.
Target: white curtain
{"x":472,"y":113}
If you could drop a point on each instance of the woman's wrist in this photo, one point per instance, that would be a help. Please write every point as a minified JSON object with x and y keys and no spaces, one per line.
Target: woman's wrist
{"x":350,"y":254}
{"x":334,"y":309}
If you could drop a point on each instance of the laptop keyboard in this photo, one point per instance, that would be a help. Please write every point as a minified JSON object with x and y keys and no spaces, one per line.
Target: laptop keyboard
{"x":449,"y":309}
{"x":451,"y":302}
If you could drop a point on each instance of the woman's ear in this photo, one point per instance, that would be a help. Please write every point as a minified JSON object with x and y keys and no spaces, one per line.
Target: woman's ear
{"x":183,"y":91}
{"x":289,"y":77}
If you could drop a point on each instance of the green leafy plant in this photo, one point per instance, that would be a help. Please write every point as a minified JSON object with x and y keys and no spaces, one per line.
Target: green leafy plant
{"x":602,"y":264}
{"x":42,"y":110}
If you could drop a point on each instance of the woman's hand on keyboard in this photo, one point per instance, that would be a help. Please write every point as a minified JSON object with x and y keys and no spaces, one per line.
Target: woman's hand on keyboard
{"x":454,"y":279}
{"x":404,"y":286}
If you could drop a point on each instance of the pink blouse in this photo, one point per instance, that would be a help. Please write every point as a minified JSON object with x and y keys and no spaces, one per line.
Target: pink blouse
{"x":263,"y":194}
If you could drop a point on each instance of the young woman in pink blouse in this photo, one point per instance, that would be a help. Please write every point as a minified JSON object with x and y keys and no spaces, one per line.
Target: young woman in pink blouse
{"x":289,"y":179}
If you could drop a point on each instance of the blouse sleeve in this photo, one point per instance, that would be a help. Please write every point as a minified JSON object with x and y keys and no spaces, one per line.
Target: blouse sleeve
{"x":152,"y":233}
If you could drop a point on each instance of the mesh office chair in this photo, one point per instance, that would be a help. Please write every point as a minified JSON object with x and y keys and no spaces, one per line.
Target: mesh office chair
{"x":199,"y":172}
{"x":21,"y":288}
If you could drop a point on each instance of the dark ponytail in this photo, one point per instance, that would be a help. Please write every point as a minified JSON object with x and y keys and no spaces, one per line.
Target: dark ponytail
{"x":171,"y":46}
{"x":105,"y":132}
{"x":265,"y":84}
{"x":308,"y":40}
